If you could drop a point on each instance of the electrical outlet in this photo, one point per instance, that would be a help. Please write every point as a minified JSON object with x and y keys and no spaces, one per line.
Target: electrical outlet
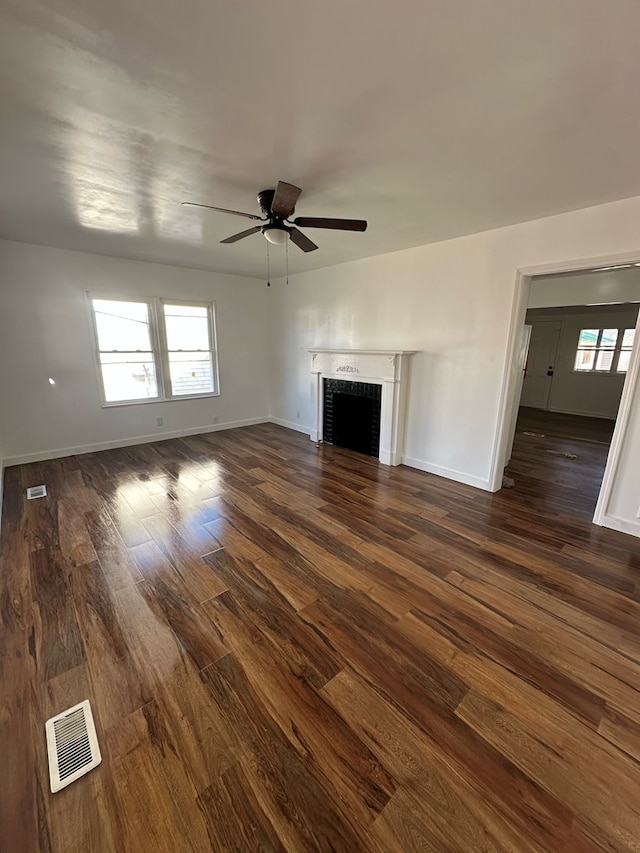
{"x":297,"y":416}
{"x":216,"y":419}
{"x":159,"y":421}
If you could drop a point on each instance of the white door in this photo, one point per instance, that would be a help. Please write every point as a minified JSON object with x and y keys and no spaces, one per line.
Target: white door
{"x":520,"y":366}
{"x":540,"y":366}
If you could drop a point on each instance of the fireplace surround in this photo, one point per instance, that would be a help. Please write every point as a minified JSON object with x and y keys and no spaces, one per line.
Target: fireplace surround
{"x":387,"y":368}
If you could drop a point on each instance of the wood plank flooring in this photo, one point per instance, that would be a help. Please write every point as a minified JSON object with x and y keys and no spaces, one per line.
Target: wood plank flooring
{"x":558,"y":460}
{"x":561,"y":425}
{"x":292,"y":649}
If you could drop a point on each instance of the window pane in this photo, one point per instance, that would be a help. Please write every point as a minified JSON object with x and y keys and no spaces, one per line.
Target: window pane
{"x":609,"y":337}
{"x":585,"y":359}
{"x":190,"y":374}
{"x":623,"y":361}
{"x":627,"y":338}
{"x":122,"y":325}
{"x":588,"y":337}
{"x":605,"y":359}
{"x":186,"y":310}
{"x":187,"y":327}
{"x":130,"y":376}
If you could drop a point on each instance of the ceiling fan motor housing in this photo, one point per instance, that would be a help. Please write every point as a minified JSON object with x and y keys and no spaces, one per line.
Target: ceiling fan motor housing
{"x":274,"y":230}
{"x":265,"y":200}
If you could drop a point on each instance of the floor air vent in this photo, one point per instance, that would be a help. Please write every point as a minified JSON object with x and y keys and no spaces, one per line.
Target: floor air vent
{"x":72,"y":745}
{"x":36,"y":492}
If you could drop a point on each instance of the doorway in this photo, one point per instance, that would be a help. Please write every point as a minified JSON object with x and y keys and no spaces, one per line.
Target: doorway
{"x":543,"y":347}
{"x":558,"y":461}
{"x":557,"y":429}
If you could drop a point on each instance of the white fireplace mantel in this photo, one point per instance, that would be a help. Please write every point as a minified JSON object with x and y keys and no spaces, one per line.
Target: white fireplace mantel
{"x":388,"y":368}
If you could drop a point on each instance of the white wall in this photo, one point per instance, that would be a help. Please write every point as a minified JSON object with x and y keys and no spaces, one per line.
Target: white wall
{"x":587,"y":288}
{"x":623,"y":509}
{"x":44,"y":331}
{"x":1,"y":480}
{"x":3,"y":284}
{"x":594,"y":394}
{"x":453,"y":302}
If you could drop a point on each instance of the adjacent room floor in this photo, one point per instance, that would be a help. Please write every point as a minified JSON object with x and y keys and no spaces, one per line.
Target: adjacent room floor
{"x":296,"y":649}
{"x":558,"y":461}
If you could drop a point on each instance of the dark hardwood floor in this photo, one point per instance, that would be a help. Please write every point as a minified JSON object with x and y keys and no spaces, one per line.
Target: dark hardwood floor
{"x":560,"y":425}
{"x":558,"y":461}
{"x":296,"y":649}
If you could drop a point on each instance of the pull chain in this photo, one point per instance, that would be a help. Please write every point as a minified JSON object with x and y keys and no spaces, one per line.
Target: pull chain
{"x":287,"y":245}
{"x":268,"y":268}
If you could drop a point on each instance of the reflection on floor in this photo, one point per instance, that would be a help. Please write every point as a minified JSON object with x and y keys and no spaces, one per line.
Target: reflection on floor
{"x":298,"y":649}
{"x":558,"y":461}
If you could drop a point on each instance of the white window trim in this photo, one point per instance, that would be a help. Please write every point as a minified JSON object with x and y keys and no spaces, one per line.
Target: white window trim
{"x":160,"y":352}
{"x":613,"y":371}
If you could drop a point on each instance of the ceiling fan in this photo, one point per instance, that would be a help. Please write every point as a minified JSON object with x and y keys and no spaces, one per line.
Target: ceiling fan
{"x":278,"y":206}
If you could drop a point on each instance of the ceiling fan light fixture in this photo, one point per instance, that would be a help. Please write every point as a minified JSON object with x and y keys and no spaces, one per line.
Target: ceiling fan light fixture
{"x":276,"y":234}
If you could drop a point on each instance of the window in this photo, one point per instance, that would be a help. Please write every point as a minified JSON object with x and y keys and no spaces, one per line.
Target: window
{"x":154,"y":349}
{"x":604,"y":350}
{"x":188,"y":336}
{"x":625,"y":350}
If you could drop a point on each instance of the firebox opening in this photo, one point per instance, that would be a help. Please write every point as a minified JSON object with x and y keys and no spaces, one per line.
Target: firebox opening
{"x":352,"y":415}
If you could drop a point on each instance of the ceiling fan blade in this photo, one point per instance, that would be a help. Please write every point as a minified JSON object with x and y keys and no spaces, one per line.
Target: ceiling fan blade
{"x":284,"y":200}
{"x":337,"y":224}
{"x":242,"y":234}
{"x":302,"y":241}
{"x":222,"y":210}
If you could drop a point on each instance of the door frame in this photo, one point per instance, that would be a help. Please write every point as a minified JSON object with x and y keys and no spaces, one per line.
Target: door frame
{"x":522,"y":286}
{"x":520,"y":376}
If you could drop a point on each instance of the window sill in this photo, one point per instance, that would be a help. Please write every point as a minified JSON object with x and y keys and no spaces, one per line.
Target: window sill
{"x":598,"y":373}
{"x":146,"y":401}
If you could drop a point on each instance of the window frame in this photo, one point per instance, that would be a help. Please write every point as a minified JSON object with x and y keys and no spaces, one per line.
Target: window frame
{"x":597,"y":349}
{"x":158,"y":340}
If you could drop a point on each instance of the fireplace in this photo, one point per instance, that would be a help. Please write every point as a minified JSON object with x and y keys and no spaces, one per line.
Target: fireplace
{"x":351,"y":415}
{"x":387,"y":371}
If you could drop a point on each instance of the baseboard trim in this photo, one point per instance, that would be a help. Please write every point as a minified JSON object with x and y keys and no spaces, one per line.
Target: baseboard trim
{"x":447,"y":473}
{"x":43,"y":455}
{"x":411,"y":462}
{"x":582,"y":414}
{"x":290,"y":425}
{"x":620,"y":524}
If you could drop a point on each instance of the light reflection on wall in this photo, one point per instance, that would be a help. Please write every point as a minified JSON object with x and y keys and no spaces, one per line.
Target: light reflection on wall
{"x":180,"y":223}
{"x":103,"y":209}
{"x":123,"y":170}
{"x":124,"y":157}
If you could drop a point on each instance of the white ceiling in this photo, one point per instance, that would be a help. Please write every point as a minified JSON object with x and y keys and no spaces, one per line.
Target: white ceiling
{"x":430,"y":119}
